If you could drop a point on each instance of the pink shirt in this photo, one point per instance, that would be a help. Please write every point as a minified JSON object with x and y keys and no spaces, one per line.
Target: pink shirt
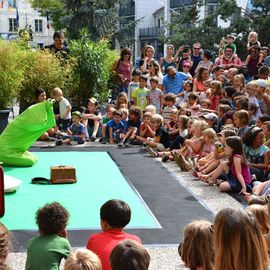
{"x":245,"y":171}
{"x":103,"y":243}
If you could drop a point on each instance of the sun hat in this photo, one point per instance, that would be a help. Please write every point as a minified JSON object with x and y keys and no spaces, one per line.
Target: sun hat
{"x":210,"y":116}
{"x":262,"y":83}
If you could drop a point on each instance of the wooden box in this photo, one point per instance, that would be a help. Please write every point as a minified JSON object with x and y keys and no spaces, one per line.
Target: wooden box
{"x":63,"y":174}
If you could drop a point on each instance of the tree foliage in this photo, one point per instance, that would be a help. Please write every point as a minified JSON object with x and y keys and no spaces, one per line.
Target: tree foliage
{"x":187,"y":28}
{"x":99,"y":17}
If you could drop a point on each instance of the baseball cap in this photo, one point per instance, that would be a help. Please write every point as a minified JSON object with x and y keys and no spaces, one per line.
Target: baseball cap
{"x":230,"y":36}
{"x":262,"y":83}
{"x":210,"y":116}
{"x":93,"y":100}
{"x":77,"y":113}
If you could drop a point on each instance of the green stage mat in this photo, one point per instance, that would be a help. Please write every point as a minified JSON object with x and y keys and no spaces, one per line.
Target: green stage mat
{"x":99,"y":180}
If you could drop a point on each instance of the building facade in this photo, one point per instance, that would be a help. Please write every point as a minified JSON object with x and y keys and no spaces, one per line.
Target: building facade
{"x":18,"y":14}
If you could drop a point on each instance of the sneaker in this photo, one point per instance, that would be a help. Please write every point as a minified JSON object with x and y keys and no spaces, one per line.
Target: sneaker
{"x":103,"y":141}
{"x":121,"y":144}
{"x":152,"y":152}
{"x":164,"y":157}
{"x":93,"y":138}
{"x":59,"y":142}
{"x":73,"y":143}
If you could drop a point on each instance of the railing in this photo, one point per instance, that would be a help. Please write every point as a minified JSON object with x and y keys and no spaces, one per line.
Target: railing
{"x":151,"y":32}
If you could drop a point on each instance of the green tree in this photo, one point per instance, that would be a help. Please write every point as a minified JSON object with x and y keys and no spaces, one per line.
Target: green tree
{"x":100,"y":17}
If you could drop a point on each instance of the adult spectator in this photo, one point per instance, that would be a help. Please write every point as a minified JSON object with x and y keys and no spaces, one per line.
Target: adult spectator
{"x":186,"y":68}
{"x":146,"y":57}
{"x":173,"y":82}
{"x":185,"y":50}
{"x":122,"y":70}
{"x":155,"y":71}
{"x":202,"y":76}
{"x":206,"y":61}
{"x":195,"y":57}
{"x":168,"y":60}
{"x":216,"y":71}
{"x":229,"y":59}
{"x":58,"y":45}
{"x":253,"y":61}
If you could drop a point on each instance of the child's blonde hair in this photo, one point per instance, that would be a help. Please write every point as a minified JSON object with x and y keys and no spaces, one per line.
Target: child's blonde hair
{"x":83,"y":259}
{"x":122,"y":94}
{"x":151,"y":108}
{"x":201,"y":125}
{"x":124,"y":111}
{"x":217,"y":85}
{"x":207,"y":102}
{"x":262,"y":216}
{"x":211,"y":134}
{"x":174,"y":111}
{"x":241,"y":78}
{"x":157,"y":118}
{"x":197,"y":249}
{"x":147,"y":114}
{"x":185,"y":119}
{"x":56,"y":92}
{"x":110,"y":109}
{"x":253,"y":34}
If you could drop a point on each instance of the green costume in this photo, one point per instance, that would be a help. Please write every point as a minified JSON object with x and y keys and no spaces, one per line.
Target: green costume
{"x":23,"y":131}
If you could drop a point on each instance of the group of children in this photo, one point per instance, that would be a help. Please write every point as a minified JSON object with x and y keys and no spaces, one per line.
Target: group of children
{"x":238,"y":239}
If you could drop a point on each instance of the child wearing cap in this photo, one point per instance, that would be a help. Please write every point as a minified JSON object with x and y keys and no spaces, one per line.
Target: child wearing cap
{"x":262,"y":97}
{"x":76,"y":133}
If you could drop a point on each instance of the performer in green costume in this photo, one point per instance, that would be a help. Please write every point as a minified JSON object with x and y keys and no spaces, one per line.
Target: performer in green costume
{"x":23,"y":131}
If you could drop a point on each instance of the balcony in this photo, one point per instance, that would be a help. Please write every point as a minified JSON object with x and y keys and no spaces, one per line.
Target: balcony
{"x":127,"y":10}
{"x":179,"y":3}
{"x":151,"y":32}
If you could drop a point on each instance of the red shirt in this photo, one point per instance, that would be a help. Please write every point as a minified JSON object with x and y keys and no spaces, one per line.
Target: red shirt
{"x":103,"y":243}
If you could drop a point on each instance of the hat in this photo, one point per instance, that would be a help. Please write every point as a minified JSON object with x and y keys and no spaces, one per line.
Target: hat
{"x":93,"y":100}
{"x":79,"y":114}
{"x":262,"y":83}
{"x":230,"y":36}
{"x":186,"y":63}
{"x":210,"y":116}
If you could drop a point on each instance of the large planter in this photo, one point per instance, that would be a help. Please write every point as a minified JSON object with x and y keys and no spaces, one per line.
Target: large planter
{"x":3,"y":119}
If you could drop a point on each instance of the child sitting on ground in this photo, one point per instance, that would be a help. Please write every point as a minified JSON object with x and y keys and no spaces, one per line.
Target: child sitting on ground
{"x":161,"y":139}
{"x":241,"y":120}
{"x":115,"y":128}
{"x":215,"y":94}
{"x":187,"y":86}
{"x":237,"y":171}
{"x":197,"y":249}
{"x":76,"y":133}
{"x":64,"y":119}
{"x":48,"y":249}
{"x":114,"y":216}
{"x":172,"y":125}
{"x":83,"y":259}
{"x":133,"y":125}
{"x":154,"y":95}
{"x":193,"y":105}
{"x":146,"y":130}
{"x":92,"y":117}
{"x":129,"y":255}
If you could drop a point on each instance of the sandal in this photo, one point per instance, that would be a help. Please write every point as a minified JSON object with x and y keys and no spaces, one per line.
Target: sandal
{"x":164,"y":157}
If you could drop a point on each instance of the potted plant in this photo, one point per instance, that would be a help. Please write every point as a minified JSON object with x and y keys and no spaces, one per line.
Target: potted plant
{"x":11,"y":77}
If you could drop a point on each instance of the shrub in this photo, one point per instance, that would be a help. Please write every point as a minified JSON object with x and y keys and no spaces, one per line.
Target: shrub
{"x":93,"y":70}
{"x":11,"y":72}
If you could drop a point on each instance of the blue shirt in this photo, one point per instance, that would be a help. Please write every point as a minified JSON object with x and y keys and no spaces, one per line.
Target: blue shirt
{"x":115,"y":126}
{"x":77,"y":129}
{"x":174,"y":85}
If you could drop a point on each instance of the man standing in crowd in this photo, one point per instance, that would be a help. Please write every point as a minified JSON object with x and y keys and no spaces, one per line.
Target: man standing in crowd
{"x":195,"y":57}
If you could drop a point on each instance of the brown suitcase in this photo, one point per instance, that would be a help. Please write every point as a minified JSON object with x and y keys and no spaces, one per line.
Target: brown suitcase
{"x":63,"y":174}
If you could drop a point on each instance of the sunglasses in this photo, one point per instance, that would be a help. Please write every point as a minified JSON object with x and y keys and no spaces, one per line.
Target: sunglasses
{"x":196,"y":48}
{"x":186,"y":66}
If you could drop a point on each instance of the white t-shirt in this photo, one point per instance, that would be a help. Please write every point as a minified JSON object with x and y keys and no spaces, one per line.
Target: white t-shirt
{"x":63,"y":104}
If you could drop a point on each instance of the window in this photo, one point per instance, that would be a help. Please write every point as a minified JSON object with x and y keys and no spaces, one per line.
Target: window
{"x":12,"y":25}
{"x":38,"y":26}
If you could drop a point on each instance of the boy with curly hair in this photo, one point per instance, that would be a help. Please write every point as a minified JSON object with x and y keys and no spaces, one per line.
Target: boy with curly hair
{"x":48,"y":249}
